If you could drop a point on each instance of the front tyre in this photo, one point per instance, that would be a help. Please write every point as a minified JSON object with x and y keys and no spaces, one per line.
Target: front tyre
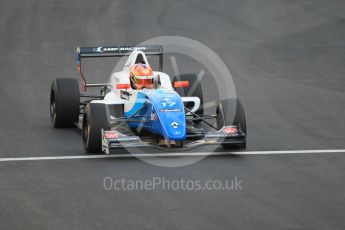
{"x":64,"y":102}
{"x":95,"y":119}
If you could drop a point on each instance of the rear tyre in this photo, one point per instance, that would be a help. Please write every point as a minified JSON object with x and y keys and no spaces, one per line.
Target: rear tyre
{"x":193,"y":90}
{"x":95,"y":119}
{"x":231,"y":112}
{"x":64,"y":102}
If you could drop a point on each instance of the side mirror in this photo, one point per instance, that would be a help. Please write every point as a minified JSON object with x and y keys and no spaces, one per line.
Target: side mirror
{"x":123,"y":86}
{"x":181,"y":84}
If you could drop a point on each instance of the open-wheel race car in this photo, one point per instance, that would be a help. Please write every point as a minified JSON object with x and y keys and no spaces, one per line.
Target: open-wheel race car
{"x":139,"y":107}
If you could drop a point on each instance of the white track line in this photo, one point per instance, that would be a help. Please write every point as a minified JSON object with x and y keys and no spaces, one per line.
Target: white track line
{"x":172,"y":155}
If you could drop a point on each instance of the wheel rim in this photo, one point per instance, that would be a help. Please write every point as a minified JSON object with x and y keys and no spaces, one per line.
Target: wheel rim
{"x":52,"y":108}
{"x":86,"y":132}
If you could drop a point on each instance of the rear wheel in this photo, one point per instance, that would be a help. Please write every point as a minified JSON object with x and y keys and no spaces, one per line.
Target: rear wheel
{"x":231,"y":112}
{"x":64,"y":102}
{"x":193,"y":90}
{"x":95,"y":119}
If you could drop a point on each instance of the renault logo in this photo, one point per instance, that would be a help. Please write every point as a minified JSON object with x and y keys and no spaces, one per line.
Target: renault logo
{"x":174,"y":125}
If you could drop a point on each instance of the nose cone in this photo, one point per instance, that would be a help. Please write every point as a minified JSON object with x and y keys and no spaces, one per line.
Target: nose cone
{"x":170,"y":113}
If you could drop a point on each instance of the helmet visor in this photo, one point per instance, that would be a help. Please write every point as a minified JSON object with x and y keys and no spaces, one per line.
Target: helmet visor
{"x":148,"y":83}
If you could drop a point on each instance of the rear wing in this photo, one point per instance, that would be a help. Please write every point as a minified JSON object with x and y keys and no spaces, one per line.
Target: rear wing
{"x":115,"y":51}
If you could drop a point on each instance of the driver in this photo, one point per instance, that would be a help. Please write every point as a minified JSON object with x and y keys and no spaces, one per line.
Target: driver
{"x":141,"y":76}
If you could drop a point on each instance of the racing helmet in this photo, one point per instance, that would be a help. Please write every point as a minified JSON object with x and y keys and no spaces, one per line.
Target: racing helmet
{"x":141,"y":76}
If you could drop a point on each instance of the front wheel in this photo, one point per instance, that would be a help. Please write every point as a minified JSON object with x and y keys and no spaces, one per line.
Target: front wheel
{"x":95,"y":119}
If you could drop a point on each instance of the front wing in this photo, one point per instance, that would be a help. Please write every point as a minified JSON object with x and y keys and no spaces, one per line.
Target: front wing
{"x":232,"y":135}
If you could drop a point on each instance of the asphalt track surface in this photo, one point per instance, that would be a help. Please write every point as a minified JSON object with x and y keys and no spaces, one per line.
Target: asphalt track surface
{"x":287,"y":60}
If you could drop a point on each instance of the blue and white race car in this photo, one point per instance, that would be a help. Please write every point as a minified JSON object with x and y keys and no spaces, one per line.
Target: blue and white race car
{"x":163,"y":112}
